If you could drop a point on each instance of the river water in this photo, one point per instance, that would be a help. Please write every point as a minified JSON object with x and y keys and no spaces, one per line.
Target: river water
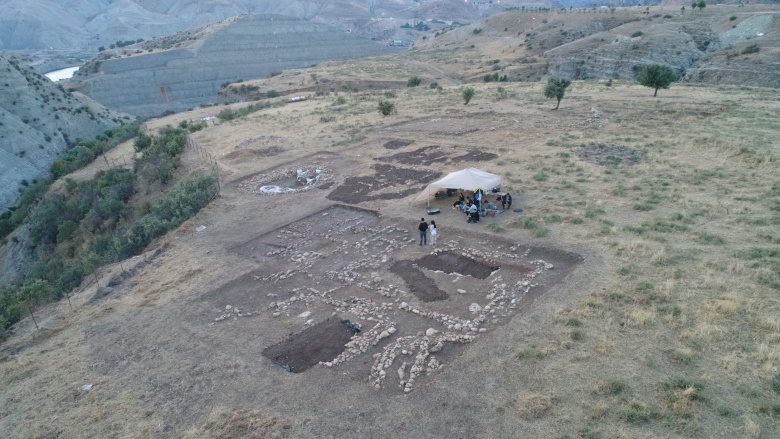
{"x":61,"y":74}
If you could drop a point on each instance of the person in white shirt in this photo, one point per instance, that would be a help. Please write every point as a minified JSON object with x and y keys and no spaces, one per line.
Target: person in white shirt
{"x":434,"y":232}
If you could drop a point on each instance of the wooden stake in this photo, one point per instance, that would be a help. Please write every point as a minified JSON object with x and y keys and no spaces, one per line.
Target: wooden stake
{"x":29,"y":308}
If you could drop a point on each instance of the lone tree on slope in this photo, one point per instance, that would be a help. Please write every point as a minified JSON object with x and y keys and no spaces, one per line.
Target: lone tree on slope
{"x":468,"y":93}
{"x":656,"y":76}
{"x":555,"y":88}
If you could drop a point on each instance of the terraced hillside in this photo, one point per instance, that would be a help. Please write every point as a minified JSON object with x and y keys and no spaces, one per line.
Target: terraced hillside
{"x":250,"y":46}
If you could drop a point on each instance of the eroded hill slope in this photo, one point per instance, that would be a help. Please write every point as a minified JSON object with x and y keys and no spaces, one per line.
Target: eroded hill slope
{"x":38,"y":120}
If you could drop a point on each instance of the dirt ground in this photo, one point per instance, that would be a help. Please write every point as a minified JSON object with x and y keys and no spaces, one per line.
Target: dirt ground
{"x":624,"y":301}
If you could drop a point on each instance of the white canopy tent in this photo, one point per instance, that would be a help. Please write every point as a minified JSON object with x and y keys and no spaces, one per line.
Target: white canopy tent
{"x":469,"y":179}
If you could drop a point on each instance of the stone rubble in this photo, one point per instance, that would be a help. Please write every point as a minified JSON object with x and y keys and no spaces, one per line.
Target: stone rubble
{"x":231,"y":311}
{"x":308,"y":176}
{"x":370,"y":255}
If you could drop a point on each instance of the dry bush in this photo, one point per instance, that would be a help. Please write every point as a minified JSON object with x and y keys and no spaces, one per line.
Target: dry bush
{"x":642,"y":316}
{"x":242,"y":424}
{"x":535,"y":405}
{"x":750,"y":427}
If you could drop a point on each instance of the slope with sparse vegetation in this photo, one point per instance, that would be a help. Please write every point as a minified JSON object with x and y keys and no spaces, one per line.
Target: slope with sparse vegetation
{"x":668,"y":327}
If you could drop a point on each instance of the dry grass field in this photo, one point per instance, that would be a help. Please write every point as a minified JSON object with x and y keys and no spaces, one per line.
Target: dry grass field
{"x":657,"y":316}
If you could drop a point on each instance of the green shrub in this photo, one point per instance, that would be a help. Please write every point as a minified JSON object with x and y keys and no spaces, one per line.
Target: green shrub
{"x":272,"y":94}
{"x":616,"y":387}
{"x":753,"y":48}
{"x":468,"y":94}
{"x":414,"y":81}
{"x":386,"y":107}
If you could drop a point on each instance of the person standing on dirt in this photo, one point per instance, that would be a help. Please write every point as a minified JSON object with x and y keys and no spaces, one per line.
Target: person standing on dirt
{"x":423,"y":228}
{"x":434,"y":232}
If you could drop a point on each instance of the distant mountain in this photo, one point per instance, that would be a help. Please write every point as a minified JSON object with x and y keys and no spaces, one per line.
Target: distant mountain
{"x":38,"y":120}
{"x":724,"y":45}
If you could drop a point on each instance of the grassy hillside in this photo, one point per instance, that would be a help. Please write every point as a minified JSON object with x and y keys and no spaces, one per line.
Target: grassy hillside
{"x":666,"y":324}
{"x":61,"y":237}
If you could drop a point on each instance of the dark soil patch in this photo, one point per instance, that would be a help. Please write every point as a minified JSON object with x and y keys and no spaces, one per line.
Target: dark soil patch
{"x":437,"y":154}
{"x":321,"y":342}
{"x":422,"y":156}
{"x":418,"y":283}
{"x":359,"y":189}
{"x":397,"y":144}
{"x":454,"y":263}
{"x":605,"y":154}
{"x":475,"y":156}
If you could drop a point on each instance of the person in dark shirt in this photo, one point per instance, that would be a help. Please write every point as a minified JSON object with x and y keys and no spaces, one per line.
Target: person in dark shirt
{"x":423,"y":228}
{"x":506,"y":201}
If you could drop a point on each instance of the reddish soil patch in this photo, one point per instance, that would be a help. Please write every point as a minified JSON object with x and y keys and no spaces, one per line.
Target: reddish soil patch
{"x":321,"y":342}
{"x":397,"y":144}
{"x":605,"y":154}
{"x":366,"y":188}
{"x":418,"y":283}
{"x":449,"y":262}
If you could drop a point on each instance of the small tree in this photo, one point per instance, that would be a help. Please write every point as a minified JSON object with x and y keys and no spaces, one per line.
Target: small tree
{"x":555,"y":88}
{"x":468,"y":93}
{"x":414,"y":81}
{"x":694,"y":5}
{"x":386,"y":107}
{"x":701,"y":5}
{"x":656,"y":76}
{"x":34,"y":293}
